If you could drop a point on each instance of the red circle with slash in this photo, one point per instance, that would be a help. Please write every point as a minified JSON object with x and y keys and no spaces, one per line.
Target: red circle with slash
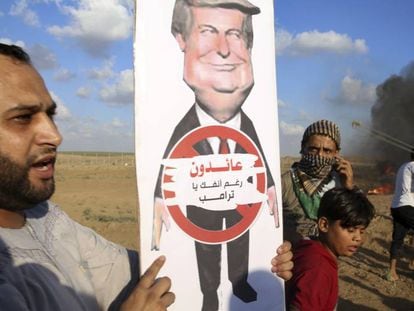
{"x":184,"y":148}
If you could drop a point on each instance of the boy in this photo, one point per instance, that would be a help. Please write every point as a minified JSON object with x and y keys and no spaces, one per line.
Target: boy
{"x":343,"y":217}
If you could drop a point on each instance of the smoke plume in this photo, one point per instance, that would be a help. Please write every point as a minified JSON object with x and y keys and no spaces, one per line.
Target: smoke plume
{"x":393,"y":114}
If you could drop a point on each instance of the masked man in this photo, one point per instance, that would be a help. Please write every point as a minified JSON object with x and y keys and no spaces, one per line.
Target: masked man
{"x":320,"y":168}
{"x":48,"y":262}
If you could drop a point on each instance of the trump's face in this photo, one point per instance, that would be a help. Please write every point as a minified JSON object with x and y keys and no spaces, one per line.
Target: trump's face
{"x":217,"y":62}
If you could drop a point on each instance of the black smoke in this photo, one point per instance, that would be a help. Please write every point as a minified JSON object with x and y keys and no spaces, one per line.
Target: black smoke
{"x":393,"y":114}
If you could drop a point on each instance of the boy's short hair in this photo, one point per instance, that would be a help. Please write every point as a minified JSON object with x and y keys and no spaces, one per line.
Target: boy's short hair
{"x":351,"y":207}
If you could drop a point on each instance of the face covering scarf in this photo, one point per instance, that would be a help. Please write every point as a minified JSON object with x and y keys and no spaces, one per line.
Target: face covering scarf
{"x":316,"y":166}
{"x":309,"y":176}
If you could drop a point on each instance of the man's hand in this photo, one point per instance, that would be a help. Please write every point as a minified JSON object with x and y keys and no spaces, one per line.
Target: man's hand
{"x":344,"y":168}
{"x":151,"y":294}
{"x":272,"y":202}
{"x":160,"y":217}
{"x":282,"y":263}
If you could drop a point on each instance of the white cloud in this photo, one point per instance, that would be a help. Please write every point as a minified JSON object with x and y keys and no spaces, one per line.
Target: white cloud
{"x":283,"y":41}
{"x":95,"y":24}
{"x":291,"y":129}
{"x":121,"y":92}
{"x":63,"y":113}
{"x":21,"y":8}
{"x":10,"y":41}
{"x":281,"y":103}
{"x":116,"y":122}
{"x":42,"y":57}
{"x":356,"y":92}
{"x":130,"y":4}
{"x":313,"y":42}
{"x":83,"y":92}
{"x":102,"y":73}
{"x":64,"y":75}
{"x":90,"y":134}
{"x":305,"y":115}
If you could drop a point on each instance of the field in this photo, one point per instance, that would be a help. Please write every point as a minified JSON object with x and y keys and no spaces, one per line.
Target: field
{"x":99,"y":191}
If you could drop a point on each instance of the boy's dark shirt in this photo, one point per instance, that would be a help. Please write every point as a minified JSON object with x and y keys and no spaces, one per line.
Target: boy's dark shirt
{"x":314,"y":285}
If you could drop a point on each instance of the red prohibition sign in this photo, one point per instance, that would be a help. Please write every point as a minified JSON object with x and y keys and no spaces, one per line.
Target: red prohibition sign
{"x":185,"y":149}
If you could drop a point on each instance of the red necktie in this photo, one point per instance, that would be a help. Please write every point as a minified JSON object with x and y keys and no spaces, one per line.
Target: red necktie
{"x":224,"y":146}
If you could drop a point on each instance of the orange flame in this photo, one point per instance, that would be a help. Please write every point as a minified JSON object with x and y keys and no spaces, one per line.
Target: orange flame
{"x":383,"y":189}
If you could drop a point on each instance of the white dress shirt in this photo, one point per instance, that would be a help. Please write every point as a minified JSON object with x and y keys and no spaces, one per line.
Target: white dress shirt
{"x":206,"y":119}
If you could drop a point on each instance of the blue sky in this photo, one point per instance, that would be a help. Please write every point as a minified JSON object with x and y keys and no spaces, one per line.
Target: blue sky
{"x":84,"y":51}
{"x":331,"y":55}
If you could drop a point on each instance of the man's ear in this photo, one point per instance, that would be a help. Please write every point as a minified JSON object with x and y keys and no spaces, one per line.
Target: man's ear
{"x":181,"y":42}
{"x":323,"y":224}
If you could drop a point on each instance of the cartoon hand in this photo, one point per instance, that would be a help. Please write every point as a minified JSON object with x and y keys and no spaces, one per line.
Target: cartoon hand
{"x":160,"y":216}
{"x":272,"y":202}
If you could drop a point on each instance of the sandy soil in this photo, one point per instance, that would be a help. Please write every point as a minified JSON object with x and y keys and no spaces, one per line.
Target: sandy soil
{"x":104,"y":198}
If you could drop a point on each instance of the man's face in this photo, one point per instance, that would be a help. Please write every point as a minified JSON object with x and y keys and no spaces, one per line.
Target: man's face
{"x":28,"y":136}
{"x":217,"y":63}
{"x":321,"y":145}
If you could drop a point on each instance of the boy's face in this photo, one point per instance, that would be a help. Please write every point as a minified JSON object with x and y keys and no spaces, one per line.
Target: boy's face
{"x":339,"y":240}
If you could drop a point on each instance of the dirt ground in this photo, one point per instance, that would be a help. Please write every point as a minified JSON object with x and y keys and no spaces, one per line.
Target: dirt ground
{"x":104,"y":197}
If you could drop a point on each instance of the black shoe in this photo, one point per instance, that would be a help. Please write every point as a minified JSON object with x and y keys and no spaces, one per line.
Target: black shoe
{"x":245,"y":292}
{"x":210,"y":301}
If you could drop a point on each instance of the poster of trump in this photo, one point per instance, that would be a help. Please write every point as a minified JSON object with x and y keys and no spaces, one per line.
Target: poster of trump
{"x":207,"y":150}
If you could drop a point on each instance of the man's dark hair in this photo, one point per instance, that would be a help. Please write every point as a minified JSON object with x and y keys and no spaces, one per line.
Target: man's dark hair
{"x":15,"y":52}
{"x":351,"y":207}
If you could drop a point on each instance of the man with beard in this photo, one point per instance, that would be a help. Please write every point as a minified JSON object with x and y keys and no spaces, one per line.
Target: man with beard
{"x":48,"y":261}
{"x":320,"y":169}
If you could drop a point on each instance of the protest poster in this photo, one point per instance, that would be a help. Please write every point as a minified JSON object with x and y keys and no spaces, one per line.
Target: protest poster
{"x":207,"y":150}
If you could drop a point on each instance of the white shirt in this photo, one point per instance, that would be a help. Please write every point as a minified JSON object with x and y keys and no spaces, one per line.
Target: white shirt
{"x":404,"y":186}
{"x":206,"y":119}
{"x":54,"y":264}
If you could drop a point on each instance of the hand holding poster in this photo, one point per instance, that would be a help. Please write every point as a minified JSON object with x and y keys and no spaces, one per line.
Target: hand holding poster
{"x":216,"y":188}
